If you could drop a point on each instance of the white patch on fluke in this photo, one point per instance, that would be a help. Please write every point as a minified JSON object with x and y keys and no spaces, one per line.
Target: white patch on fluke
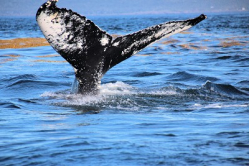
{"x":104,"y":41}
{"x":55,"y":30}
{"x":116,"y":44}
{"x":165,"y":30}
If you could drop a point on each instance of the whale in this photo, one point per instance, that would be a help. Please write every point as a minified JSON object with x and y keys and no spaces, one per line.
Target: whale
{"x":90,"y":50}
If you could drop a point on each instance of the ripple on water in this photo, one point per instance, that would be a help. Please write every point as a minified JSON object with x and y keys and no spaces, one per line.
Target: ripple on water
{"x":9,"y":105}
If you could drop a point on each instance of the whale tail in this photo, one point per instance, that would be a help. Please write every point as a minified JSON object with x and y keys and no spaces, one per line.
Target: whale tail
{"x":90,"y":50}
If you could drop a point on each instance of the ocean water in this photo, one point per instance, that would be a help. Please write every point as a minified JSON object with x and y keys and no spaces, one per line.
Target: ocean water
{"x":181,"y":101}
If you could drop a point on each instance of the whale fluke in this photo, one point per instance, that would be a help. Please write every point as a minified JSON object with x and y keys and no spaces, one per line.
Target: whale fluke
{"x":90,"y":50}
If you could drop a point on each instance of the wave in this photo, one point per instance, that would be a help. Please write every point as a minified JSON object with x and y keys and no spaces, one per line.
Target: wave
{"x":235,"y":58}
{"x":146,"y":74}
{"x":244,"y":84}
{"x":8,"y":82}
{"x":27,"y":82}
{"x":185,"y":76}
{"x":9,"y":105}
{"x":23,"y":76}
{"x":225,"y":89}
{"x":121,"y":96}
{"x":31,"y":83}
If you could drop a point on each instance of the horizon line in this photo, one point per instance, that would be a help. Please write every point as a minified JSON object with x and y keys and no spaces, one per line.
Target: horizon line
{"x":143,"y":13}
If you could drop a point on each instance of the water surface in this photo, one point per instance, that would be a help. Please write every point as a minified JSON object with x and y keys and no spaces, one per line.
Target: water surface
{"x":181,"y":101}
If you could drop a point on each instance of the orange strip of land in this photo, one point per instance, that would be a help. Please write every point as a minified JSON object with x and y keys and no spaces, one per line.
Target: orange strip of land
{"x":23,"y":43}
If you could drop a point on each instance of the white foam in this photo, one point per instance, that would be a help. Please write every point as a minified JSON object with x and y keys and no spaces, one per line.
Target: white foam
{"x":73,"y":99}
{"x":116,"y":95}
{"x":118,"y":88}
{"x":169,"y":92}
{"x":218,"y":106}
{"x":112,"y":95}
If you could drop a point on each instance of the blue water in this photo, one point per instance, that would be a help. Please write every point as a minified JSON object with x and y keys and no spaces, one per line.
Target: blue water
{"x":182,"y":101}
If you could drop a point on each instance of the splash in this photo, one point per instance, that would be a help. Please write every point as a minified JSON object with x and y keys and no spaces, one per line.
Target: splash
{"x":118,"y":88}
{"x":112,"y":95}
{"x":118,"y":96}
